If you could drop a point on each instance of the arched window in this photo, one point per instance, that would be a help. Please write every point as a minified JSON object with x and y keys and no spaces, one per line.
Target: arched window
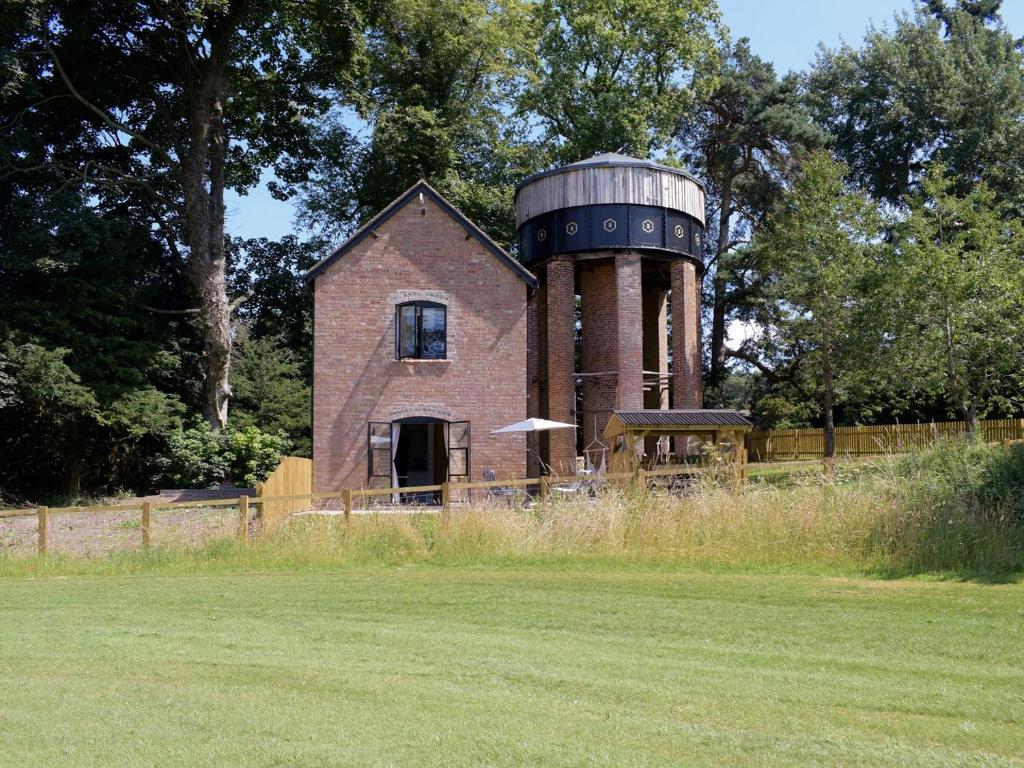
{"x":421,"y":331}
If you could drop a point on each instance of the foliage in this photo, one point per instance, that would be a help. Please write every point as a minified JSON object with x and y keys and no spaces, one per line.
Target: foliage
{"x":196,"y":457}
{"x":162,"y":107}
{"x":744,"y":139}
{"x":279,"y":304}
{"x":434,"y":92}
{"x":964,"y":480}
{"x":816,"y":255}
{"x":945,"y":84}
{"x":254,"y":454}
{"x":952,"y":300}
{"x":47,"y":418}
{"x":617,"y":76}
{"x":270,"y":391}
{"x":201,"y":457}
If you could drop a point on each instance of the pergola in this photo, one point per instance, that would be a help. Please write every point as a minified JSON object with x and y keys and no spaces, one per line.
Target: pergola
{"x":627,"y":432}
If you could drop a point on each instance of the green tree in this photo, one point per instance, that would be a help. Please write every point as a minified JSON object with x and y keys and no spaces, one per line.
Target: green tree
{"x":953,"y":300}
{"x":167,"y":105}
{"x":945,"y":84}
{"x":271,"y":392}
{"x":47,"y":418}
{"x":615,"y":75}
{"x":434,"y":97}
{"x":744,"y":139}
{"x":816,"y":252}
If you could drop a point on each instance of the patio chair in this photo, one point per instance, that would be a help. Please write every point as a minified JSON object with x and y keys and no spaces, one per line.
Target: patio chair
{"x":500,"y":492}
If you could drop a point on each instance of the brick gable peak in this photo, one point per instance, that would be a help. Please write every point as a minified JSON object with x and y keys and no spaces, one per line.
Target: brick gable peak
{"x":421,"y":187}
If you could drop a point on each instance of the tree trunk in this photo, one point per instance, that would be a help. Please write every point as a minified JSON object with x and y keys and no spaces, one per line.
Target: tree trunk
{"x":719,"y":307}
{"x":828,"y":400}
{"x":971,"y":419}
{"x":204,"y":229}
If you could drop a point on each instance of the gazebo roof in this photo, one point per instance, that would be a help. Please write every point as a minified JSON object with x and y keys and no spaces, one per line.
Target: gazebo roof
{"x":685,"y":417}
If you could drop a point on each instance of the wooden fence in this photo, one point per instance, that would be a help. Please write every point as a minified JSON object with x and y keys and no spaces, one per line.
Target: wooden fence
{"x":450,"y":493}
{"x":794,"y":444}
{"x":292,"y":478}
{"x":546,"y":489}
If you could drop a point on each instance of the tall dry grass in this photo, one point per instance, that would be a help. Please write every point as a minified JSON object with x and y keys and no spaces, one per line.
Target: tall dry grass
{"x":956,"y":509}
{"x":877,"y":520}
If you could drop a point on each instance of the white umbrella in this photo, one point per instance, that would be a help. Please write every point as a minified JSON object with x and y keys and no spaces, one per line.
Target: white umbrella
{"x":534,"y":425}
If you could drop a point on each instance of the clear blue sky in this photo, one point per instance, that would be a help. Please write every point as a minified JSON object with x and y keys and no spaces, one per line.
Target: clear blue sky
{"x":786,"y":32}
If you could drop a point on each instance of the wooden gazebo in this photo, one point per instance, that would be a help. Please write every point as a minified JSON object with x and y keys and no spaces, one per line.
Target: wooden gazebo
{"x":630,"y":432}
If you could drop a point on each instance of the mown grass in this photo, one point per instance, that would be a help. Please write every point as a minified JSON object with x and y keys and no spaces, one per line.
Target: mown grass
{"x":476,"y":666}
{"x":647,"y":630}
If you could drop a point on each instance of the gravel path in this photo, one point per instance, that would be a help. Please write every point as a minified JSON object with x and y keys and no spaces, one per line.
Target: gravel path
{"x":94,"y":534}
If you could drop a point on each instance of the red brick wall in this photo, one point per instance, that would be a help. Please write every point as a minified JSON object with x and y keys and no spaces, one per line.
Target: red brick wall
{"x":600,"y":345}
{"x":356,"y":378}
{"x":629,"y":291}
{"x":687,"y":387}
{"x":561,"y":356}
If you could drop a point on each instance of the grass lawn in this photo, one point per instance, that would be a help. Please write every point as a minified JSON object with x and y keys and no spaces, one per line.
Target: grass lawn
{"x":500,"y":666}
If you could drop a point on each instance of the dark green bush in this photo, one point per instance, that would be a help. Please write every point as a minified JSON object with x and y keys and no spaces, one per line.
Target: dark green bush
{"x":199,"y":457}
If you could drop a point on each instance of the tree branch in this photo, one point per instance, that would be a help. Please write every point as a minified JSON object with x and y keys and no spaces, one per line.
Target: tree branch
{"x":101,"y":113}
{"x":155,"y":310}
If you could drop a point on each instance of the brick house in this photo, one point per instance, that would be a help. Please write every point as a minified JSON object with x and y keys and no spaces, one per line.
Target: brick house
{"x":419,"y":351}
{"x":427,"y":336}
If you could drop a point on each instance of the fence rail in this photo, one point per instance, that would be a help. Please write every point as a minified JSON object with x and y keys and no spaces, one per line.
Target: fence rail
{"x":777,"y":444}
{"x":349,"y":497}
{"x":642,"y":478}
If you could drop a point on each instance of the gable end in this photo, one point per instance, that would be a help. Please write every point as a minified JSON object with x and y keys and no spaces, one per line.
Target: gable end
{"x":422,"y":187}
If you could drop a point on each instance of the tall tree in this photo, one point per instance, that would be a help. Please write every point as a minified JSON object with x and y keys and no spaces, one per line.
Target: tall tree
{"x":431,"y":101}
{"x":816,"y":251}
{"x":615,"y":76}
{"x":744,"y":139}
{"x":953,"y":300}
{"x":169,"y":104}
{"x":946,"y":84}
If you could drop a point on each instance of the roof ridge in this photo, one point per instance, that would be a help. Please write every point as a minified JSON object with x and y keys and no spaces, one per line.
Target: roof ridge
{"x":389,"y":210}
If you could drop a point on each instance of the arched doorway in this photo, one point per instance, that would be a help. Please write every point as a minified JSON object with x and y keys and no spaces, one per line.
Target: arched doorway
{"x":417,"y":451}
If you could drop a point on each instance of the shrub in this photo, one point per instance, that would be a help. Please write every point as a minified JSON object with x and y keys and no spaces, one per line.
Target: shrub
{"x":199,"y":457}
{"x":254,"y":454}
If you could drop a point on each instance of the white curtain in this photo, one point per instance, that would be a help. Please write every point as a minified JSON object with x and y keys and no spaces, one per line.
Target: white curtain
{"x":396,"y":431}
{"x":447,"y":455}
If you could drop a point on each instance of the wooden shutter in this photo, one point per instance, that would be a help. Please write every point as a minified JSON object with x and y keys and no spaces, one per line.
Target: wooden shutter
{"x":458,"y":451}
{"x":379,"y":453}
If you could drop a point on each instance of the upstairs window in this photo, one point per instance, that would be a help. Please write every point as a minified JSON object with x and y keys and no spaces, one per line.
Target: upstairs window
{"x":421,"y":331}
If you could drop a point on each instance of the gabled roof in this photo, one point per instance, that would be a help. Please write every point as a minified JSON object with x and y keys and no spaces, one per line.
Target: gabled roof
{"x":685,"y":417}
{"x":421,"y":187}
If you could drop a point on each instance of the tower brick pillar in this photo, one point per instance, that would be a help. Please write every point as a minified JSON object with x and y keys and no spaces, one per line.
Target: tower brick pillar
{"x":630,"y":343}
{"x":561,"y":362}
{"x":535,"y":368}
{"x":687,"y":387}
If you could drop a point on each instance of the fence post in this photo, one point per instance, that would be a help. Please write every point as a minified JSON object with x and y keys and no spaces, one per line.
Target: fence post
{"x":544,"y":482}
{"x":346,"y":497}
{"x":147,"y":509}
{"x":243,"y":519}
{"x":641,"y":479}
{"x":446,"y":497}
{"x":44,"y":516}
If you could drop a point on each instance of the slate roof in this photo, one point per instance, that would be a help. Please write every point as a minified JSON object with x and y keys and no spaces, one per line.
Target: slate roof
{"x":423,"y":187}
{"x":690,"y":417}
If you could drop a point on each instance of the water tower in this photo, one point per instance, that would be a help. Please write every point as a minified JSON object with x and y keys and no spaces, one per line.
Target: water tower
{"x":622,"y":234}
